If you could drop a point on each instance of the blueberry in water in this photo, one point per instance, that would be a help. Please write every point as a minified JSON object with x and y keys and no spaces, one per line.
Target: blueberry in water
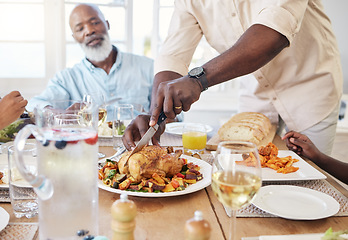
{"x":45,"y":143}
{"x":60,"y":144}
{"x":89,"y":237}
{"x":24,"y":115}
{"x":82,"y":232}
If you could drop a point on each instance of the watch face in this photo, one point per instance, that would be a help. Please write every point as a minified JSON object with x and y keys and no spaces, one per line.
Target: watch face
{"x":196,"y":71}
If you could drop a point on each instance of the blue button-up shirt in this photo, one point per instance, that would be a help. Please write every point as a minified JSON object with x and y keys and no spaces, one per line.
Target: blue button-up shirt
{"x":130,"y":78}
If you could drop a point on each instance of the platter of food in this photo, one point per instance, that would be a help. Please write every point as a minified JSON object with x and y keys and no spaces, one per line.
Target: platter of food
{"x":176,"y":128}
{"x":281,"y":165}
{"x":8,"y":133}
{"x":204,"y":181}
{"x":105,"y":130}
{"x":16,"y":176}
{"x":295,"y":203}
{"x":305,"y":170}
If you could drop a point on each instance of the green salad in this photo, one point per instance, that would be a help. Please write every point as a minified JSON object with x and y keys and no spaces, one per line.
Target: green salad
{"x":339,"y":235}
{"x":8,"y":133}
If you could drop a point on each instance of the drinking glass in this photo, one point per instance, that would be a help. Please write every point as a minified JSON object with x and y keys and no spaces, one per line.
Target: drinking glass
{"x":233,"y":183}
{"x":97,"y":98}
{"x":23,"y":198}
{"x":67,"y":119}
{"x":124,"y":114}
{"x":194,"y":138}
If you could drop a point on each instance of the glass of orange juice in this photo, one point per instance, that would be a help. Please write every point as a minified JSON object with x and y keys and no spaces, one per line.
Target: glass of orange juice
{"x":194,"y":138}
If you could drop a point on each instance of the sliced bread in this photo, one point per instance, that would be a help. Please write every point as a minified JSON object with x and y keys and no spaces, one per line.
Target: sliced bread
{"x":245,"y":126}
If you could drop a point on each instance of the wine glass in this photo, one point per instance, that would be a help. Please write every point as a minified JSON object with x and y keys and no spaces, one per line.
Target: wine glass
{"x":123,"y":115}
{"x":98,"y":99}
{"x":234,"y":183}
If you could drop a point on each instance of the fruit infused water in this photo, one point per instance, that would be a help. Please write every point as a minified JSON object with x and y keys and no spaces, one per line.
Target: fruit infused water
{"x":68,"y":158}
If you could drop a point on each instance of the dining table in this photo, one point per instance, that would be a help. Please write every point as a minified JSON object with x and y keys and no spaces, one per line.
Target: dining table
{"x":165,"y":217}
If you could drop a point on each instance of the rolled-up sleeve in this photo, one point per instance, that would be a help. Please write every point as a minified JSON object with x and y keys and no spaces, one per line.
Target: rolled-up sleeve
{"x":183,"y":37}
{"x":53,"y":92}
{"x":284,"y":17}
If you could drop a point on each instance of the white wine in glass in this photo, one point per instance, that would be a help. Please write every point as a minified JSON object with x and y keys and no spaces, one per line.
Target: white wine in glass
{"x":98,"y":99}
{"x":233,"y":183}
{"x":102,"y":116}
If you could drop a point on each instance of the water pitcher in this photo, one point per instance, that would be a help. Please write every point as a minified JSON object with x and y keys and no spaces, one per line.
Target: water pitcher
{"x":66,"y":176}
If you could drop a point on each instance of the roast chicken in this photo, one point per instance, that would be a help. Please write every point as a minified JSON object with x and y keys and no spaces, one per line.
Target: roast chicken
{"x":150,"y":160}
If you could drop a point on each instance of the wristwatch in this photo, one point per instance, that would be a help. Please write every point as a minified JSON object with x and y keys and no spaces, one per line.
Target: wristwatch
{"x":199,"y":74}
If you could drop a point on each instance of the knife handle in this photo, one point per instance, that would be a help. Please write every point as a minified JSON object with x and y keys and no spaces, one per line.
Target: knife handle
{"x":161,"y":118}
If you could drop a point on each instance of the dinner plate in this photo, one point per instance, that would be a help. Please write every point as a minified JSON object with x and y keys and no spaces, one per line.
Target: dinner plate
{"x":205,"y":170}
{"x":106,"y":136}
{"x":296,"y":203}
{"x":4,"y":218}
{"x":315,"y":236}
{"x":305,"y":171}
{"x":20,"y":182}
{"x":176,"y":128}
{"x":3,"y":169}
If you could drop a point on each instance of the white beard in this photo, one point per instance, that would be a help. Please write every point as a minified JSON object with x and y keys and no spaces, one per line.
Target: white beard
{"x":98,"y":53}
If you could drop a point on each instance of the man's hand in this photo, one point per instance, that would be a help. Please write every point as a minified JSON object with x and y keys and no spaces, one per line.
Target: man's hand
{"x":11,"y":107}
{"x":175,"y":96}
{"x":137,"y":128}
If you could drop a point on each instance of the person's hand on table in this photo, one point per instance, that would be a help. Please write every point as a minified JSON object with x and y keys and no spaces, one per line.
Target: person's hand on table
{"x":175,"y":96}
{"x":11,"y":107}
{"x":137,"y":128}
{"x":301,"y":145}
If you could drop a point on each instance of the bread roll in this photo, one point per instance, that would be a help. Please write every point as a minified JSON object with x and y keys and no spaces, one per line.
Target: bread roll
{"x":245,"y":126}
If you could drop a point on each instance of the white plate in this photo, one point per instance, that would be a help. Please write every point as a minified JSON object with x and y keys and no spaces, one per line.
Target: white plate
{"x":305,"y":171}
{"x":3,"y":166}
{"x":109,"y":136}
{"x":106,"y":136}
{"x":4,"y":218}
{"x":296,"y":203}
{"x":21,"y":183}
{"x":176,"y":128}
{"x":315,"y":236}
{"x":205,"y":170}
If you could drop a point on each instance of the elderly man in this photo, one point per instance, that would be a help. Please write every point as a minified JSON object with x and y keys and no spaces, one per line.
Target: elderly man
{"x":288,"y":47}
{"x":105,"y":69}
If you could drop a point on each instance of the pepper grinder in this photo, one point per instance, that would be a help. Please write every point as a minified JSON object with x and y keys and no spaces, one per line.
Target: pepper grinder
{"x":123,"y":212}
{"x":197,"y":228}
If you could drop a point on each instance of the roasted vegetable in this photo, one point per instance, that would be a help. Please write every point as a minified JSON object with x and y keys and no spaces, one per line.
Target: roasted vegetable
{"x":8,"y":133}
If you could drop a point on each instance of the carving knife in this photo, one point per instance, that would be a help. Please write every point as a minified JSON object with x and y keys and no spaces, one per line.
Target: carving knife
{"x":147,"y":136}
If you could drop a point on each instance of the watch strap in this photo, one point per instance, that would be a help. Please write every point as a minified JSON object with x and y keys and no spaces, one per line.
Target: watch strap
{"x":200,"y":76}
{"x":204,"y":82}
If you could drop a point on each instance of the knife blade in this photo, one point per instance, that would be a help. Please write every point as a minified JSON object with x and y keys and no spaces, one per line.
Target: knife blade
{"x":147,"y":136}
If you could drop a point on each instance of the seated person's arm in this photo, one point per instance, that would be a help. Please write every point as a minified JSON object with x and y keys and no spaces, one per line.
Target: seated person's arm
{"x":11,"y":107}
{"x":303,"y":146}
{"x":55,"y":91}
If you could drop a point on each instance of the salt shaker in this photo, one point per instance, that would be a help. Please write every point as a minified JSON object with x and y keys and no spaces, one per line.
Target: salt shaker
{"x":197,"y":228}
{"x":123,"y":212}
